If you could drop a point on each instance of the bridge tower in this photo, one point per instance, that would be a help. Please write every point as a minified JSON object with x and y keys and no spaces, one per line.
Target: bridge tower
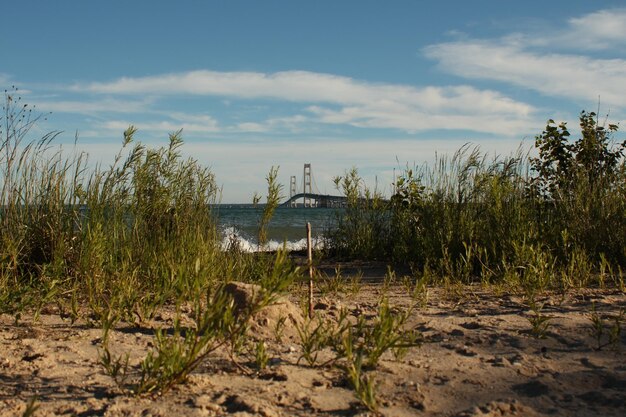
{"x":307,"y":188}
{"x":292,"y":190}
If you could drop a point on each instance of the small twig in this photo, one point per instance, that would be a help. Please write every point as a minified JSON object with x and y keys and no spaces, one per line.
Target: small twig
{"x":310,"y":261}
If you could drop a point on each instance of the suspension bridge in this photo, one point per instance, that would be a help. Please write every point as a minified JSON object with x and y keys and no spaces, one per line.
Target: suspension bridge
{"x":307,"y":196}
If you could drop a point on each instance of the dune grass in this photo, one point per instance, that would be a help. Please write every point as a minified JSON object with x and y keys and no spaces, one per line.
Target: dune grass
{"x":554,"y":220}
{"x":121,"y":240}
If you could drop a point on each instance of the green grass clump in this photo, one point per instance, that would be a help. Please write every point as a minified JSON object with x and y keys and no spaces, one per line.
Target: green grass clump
{"x":605,"y":333}
{"x":362,"y":228}
{"x":539,"y":322}
{"x":358,"y":346}
{"x":118,"y":241}
{"x":554,"y":220}
{"x":217,"y":321}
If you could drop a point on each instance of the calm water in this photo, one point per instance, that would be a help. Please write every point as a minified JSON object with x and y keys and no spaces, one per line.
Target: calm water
{"x":241,"y":222}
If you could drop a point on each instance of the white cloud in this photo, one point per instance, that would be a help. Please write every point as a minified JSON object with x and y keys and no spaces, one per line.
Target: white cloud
{"x":252,"y":127}
{"x":604,"y":30}
{"x":570,"y":76}
{"x":203,"y":119}
{"x":201,"y":124}
{"x":292,"y":124}
{"x":160,"y":126}
{"x":414,"y":120}
{"x":600,"y":30}
{"x":573,"y":76}
{"x":95,"y":107}
{"x":360,"y":103}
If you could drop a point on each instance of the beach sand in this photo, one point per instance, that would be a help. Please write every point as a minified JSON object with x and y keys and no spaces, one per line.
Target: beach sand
{"x":478,"y":358}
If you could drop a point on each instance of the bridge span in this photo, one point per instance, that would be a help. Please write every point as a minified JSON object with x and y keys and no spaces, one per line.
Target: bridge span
{"x":321,"y":200}
{"x":310,"y":195}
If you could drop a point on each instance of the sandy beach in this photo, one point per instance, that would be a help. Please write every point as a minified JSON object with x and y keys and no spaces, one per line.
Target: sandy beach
{"x":478,"y":357}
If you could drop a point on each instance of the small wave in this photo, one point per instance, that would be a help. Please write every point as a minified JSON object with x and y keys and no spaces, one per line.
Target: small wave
{"x":233,"y":239}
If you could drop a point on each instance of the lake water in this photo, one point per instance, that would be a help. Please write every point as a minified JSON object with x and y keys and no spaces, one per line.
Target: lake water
{"x":240,"y":222}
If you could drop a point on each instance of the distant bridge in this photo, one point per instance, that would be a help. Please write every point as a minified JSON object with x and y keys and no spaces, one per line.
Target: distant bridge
{"x":310,"y":198}
{"x":320,"y":200}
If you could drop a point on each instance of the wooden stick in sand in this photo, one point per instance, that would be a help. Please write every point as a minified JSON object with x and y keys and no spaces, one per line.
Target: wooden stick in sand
{"x":310,"y":259}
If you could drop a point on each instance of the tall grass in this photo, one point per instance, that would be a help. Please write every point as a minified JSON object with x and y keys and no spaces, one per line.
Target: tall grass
{"x":122,"y":240}
{"x":363,"y":226}
{"x":456,"y":209}
{"x":36,"y":219}
{"x":472,"y":217}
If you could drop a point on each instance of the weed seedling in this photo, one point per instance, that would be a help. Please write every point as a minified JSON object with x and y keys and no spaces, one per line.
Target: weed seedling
{"x":599,"y":327}
{"x":261,"y":357}
{"x":539,"y":322}
{"x":390,"y":279}
{"x":31,"y":407}
{"x":363,"y":384}
{"x":217,"y":323}
{"x":279,"y":329}
{"x":334,"y":284}
{"x":419,"y":292}
{"x":274,"y":190}
{"x":314,"y":336}
{"x":116,"y":368}
{"x":356,"y":283}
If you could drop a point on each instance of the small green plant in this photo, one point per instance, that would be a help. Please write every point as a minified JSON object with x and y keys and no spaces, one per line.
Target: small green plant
{"x":261,"y":356}
{"x":407,"y":282}
{"x":315,"y":335}
{"x":333,"y":284}
{"x":616,"y":329}
{"x":303,"y":301}
{"x":420,"y":291}
{"x":539,"y":322}
{"x":385,"y":333}
{"x":108,"y":320}
{"x":117,"y":368}
{"x":175,"y":357}
{"x":359,"y":347}
{"x":389,"y":279}
{"x":31,"y":407}
{"x":274,"y":190}
{"x":355,"y":283}
{"x":279,"y":329}
{"x":363,"y":384}
{"x":600,"y":328}
{"x":416,"y":286}
{"x":369,"y":341}
{"x":217,"y":322}
{"x":74,"y":307}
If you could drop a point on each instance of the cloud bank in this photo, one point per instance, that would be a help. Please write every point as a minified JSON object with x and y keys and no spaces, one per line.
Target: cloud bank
{"x":333,"y":99}
{"x":522,"y":59}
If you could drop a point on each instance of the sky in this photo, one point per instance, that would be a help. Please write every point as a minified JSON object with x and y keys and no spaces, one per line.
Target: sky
{"x":338,"y":84}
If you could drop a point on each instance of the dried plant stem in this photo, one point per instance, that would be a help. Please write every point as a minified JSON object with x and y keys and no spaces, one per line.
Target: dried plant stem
{"x":310,"y":263}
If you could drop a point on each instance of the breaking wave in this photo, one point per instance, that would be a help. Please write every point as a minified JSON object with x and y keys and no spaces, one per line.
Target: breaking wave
{"x":233,"y":239}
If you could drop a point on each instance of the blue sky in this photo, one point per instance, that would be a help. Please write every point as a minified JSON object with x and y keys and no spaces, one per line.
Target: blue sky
{"x":371,"y":84}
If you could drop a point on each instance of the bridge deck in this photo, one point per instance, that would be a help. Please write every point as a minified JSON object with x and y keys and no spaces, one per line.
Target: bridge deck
{"x":323,"y":200}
